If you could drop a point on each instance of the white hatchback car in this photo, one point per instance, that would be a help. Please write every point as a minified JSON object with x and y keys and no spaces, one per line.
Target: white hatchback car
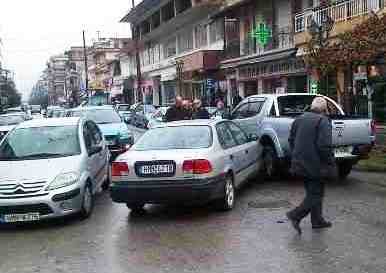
{"x":186,"y":162}
{"x":51,"y":168}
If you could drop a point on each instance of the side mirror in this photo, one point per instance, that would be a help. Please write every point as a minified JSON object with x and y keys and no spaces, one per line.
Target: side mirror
{"x":95,"y":150}
{"x":253,"y":137}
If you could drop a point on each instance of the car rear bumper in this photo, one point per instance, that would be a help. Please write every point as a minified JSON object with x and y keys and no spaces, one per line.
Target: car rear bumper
{"x":168,"y":191}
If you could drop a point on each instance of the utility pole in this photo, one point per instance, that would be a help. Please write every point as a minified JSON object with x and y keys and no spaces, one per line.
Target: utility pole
{"x":85,"y":60}
{"x":137,"y":56}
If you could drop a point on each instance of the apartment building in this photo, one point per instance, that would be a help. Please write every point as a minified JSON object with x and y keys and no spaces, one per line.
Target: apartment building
{"x":179,"y":47}
{"x":56,"y":76}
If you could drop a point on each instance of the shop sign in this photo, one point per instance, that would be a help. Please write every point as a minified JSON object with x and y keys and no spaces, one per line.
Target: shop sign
{"x":314,"y":87}
{"x":262,"y":33}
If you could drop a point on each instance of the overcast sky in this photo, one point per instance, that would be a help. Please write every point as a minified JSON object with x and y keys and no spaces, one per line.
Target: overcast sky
{"x":32,"y":31}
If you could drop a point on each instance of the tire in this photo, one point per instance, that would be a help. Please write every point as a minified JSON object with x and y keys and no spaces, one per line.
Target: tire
{"x":344,"y":169}
{"x":271,"y":162}
{"x":136,"y":208}
{"x":227,"y":202}
{"x":106,"y":184}
{"x":87,"y":202}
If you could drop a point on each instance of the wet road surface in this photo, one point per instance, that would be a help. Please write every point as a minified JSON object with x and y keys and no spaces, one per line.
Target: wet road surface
{"x":254,"y":237}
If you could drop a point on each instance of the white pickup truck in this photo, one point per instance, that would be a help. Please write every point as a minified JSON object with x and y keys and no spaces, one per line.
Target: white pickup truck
{"x":271,"y":116}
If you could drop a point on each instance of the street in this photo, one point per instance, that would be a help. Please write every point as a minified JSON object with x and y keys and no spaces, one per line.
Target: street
{"x":254,"y":237}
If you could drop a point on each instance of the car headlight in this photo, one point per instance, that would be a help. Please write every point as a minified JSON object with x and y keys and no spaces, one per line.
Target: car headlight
{"x":63,"y":180}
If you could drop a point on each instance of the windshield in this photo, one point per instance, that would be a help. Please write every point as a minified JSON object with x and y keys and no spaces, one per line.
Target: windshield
{"x":40,"y":142}
{"x":294,"y":105}
{"x":10,"y":120}
{"x":181,"y":137}
{"x":99,"y":116}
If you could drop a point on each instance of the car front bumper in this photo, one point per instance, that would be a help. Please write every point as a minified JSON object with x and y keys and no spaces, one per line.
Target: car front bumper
{"x":168,"y":191}
{"x":58,"y":203}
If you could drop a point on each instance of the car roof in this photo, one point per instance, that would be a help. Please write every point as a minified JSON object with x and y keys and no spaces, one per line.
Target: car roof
{"x":50,"y":122}
{"x":86,"y":108}
{"x":280,"y":95}
{"x":196,"y":122}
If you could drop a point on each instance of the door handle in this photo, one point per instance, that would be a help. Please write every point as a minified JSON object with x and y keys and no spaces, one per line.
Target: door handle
{"x":246,"y":151}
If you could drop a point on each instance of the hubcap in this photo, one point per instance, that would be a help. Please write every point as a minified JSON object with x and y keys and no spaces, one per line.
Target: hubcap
{"x":229,"y":193}
{"x":87,"y":200}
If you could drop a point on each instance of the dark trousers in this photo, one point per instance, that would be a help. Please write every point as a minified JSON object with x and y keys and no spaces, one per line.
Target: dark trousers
{"x":312,"y":203}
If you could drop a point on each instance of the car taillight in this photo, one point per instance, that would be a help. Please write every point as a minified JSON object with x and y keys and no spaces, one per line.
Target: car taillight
{"x":373,"y":128}
{"x":197,"y":166}
{"x":119,"y":169}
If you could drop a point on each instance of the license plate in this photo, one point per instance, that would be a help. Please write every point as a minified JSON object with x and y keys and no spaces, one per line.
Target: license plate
{"x":343,"y":151}
{"x":26,"y":217}
{"x":157,"y":169}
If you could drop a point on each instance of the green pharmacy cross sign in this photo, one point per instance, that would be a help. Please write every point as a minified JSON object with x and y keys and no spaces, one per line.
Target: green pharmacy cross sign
{"x":262,"y":33}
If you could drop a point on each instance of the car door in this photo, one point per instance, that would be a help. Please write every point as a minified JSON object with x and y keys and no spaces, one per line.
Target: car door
{"x":248,"y":148}
{"x":93,"y":157}
{"x":101,"y":159}
{"x":231,"y":150}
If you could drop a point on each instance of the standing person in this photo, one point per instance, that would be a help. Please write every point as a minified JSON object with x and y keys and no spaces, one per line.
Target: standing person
{"x":311,"y":145}
{"x":199,"y":112}
{"x":187,"y":108}
{"x":175,"y":112}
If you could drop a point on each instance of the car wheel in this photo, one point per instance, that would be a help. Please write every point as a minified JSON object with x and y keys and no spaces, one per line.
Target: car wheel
{"x":136,"y":208}
{"x":270,"y":161}
{"x":344,"y":170}
{"x":228,"y":200}
{"x":87,"y":202}
{"x":106,"y":184}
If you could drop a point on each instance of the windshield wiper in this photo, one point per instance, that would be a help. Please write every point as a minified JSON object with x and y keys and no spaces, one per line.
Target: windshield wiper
{"x":43,"y":155}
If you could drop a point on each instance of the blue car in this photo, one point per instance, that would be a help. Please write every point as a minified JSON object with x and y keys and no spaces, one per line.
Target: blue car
{"x":114,"y":130}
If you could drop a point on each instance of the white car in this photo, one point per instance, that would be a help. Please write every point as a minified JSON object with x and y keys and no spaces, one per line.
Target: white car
{"x":51,"y":168}
{"x":186,"y":162}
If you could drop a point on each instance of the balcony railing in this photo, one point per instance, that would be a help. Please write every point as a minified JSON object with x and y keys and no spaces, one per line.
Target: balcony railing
{"x":282,"y":39}
{"x":339,"y":12}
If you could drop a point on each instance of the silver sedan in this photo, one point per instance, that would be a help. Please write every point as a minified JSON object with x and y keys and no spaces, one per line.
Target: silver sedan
{"x":51,"y":168}
{"x":186,"y":162}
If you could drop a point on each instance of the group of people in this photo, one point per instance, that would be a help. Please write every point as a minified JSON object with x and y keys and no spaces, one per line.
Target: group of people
{"x":185,"y":109}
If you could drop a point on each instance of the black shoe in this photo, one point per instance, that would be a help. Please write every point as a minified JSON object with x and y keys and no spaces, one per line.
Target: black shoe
{"x":324,"y":224}
{"x":295,"y":223}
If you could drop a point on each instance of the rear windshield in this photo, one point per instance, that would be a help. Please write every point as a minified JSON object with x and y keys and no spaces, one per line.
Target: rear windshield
{"x":294,"y":105}
{"x":179,"y":137}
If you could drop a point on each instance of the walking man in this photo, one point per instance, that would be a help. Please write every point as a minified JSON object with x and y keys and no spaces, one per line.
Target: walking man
{"x":310,"y":142}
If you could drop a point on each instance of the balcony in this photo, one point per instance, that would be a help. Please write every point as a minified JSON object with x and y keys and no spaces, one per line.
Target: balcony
{"x":339,"y":13}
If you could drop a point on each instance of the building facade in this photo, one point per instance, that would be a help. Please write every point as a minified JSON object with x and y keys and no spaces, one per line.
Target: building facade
{"x":179,"y":49}
{"x":56,"y":76}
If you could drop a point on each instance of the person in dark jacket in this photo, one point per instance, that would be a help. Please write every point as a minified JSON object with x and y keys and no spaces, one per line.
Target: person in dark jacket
{"x":311,"y":145}
{"x":176,"y":112}
{"x":199,"y":112}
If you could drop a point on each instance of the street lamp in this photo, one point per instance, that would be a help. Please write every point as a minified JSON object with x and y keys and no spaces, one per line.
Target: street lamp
{"x":180,"y":67}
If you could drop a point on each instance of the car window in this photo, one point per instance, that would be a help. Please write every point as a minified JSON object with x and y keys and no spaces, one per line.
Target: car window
{"x":240,"y":112}
{"x":294,"y":105}
{"x":332,"y":109}
{"x":96,"y":136}
{"x":87,"y":137}
{"x":139,"y":109}
{"x":272,"y":112}
{"x":238,"y":134}
{"x":225,"y":136}
{"x":254,"y":107}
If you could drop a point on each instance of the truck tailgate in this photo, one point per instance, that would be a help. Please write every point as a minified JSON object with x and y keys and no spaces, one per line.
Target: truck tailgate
{"x":348,"y":131}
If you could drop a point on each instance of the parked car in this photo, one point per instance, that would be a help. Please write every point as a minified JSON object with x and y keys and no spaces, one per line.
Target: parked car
{"x":186,"y":162}
{"x":271,"y":117}
{"x":51,"y":168}
{"x":157,"y":117}
{"x":50,"y":111}
{"x":9,"y":121}
{"x":36,"y":109}
{"x":141,"y":115}
{"x":115,"y":131}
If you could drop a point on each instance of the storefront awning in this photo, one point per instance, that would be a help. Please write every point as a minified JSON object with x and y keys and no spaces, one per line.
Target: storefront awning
{"x":258,"y":59}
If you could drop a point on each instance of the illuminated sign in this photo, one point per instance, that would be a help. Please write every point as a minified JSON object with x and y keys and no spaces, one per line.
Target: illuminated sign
{"x":262,"y":33}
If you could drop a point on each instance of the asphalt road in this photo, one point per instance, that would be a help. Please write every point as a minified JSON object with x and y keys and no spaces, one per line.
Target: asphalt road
{"x":254,"y":237}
